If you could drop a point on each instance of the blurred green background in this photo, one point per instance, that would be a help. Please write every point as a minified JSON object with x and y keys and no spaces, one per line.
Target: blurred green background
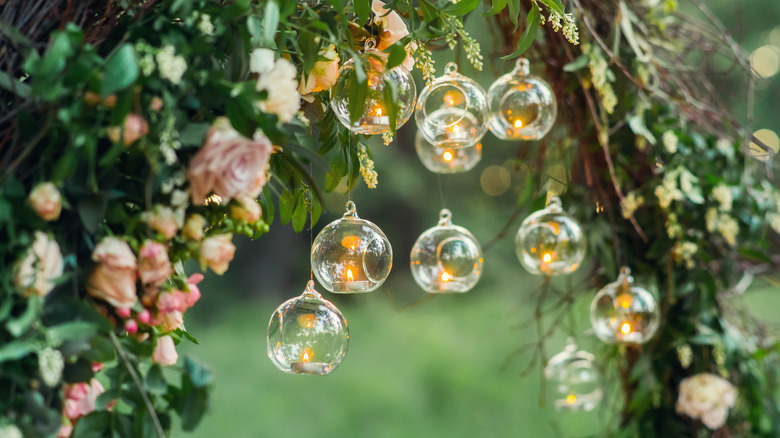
{"x":420,"y":367}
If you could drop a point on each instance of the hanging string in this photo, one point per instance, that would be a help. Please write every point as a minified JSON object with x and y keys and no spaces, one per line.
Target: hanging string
{"x":311,"y":224}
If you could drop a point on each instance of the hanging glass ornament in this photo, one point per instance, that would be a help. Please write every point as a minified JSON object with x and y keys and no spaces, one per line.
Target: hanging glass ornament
{"x":452,"y":109}
{"x":550,"y":242}
{"x":574,"y":379}
{"x":624,"y":313}
{"x":445,"y":158}
{"x":307,"y":335}
{"x":351,"y":255}
{"x":522,"y":106}
{"x":446,"y":258}
{"x":382,"y":83}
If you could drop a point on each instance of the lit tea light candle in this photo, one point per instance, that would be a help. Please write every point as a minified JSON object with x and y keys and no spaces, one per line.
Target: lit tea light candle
{"x":445,"y":277}
{"x":547,"y":258}
{"x":351,"y":280}
{"x":306,"y":366}
{"x":447,"y":156}
{"x":625,"y":328}
{"x":518,"y":123}
{"x":375,"y":118}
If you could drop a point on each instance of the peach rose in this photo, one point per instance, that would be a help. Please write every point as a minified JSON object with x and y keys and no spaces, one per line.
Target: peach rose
{"x":247,"y":210}
{"x":113,"y":279}
{"x":132,"y":129}
{"x":393,"y":29}
{"x":229,"y":165}
{"x":40,"y":267}
{"x":165,"y":352}
{"x":324,"y":74}
{"x":154,"y":266}
{"x":46,"y":201}
{"x":193,"y":228}
{"x":163,"y":219}
{"x":216,"y":252}
{"x":171,"y":320}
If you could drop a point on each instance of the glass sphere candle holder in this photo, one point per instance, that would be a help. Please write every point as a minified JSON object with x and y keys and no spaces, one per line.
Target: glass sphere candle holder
{"x":374,"y":117}
{"x":623,"y":312}
{"x":446,"y":158}
{"x":307,"y":335}
{"x":573,"y":380}
{"x":522,"y":106}
{"x":446,"y":258}
{"x":452,"y":109}
{"x":351,"y":255}
{"x":550,"y":242}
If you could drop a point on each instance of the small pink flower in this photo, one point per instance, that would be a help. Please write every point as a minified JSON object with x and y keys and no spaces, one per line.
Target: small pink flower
{"x":165,"y":352}
{"x":80,"y":398}
{"x":113,"y":279}
{"x":229,"y":165}
{"x":66,"y":429}
{"x":131,"y":326}
{"x":134,"y":126}
{"x":154,"y":266}
{"x":46,"y":201}
{"x":216,"y":252}
{"x":124,"y":312}
{"x":194,"y":294}
{"x":247,"y":210}
{"x":97,"y":366}
{"x":163,"y":219}
{"x":144,"y":317}
{"x":172,"y":301}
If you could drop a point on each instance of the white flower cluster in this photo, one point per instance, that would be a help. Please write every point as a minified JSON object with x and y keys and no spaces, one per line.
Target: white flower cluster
{"x":707,"y":397}
{"x":669,"y":190}
{"x":631,"y":202}
{"x":424,"y":60}
{"x":685,"y":355}
{"x":50,"y":365}
{"x":569,"y":26}
{"x":722,"y":194}
{"x":205,"y":25}
{"x":600,"y":77}
{"x":10,"y":431}
{"x":169,"y":142}
{"x":673,"y":228}
{"x":726,"y":147}
{"x":670,"y":141}
{"x":684,"y":252}
{"x":278,"y":79}
{"x":470,"y":45}
{"x":170,"y":65}
{"x":367,"y":168}
{"x":726,"y":225}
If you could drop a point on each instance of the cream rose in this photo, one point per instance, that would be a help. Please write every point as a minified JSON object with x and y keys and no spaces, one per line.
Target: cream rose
{"x":230,"y":165}
{"x":324,"y":74}
{"x":707,"y":397}
{"x":171,"y":320}
{"x":41,"y":266}
{"x":46,"y":201}
{"x":134,"y":128}
{"x":247,"y":210}
{"x":154,"y":266}
{"x":282,"y":87}
{"x":393,"y":29}
{"x":165,"y":352}
{"x":163,"y":219}
{"x":113,"y":279}
{"x":193,"y":228}
{"x":216,"y":252}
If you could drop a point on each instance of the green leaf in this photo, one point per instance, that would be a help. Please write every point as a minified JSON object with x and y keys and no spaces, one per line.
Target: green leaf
{"x":199,"y":375}
{"x":286,"y":206}
{"x":270,"y":23}
{"x":429,"y":11}
{"x":155,"y":382}
{"x":396,"y":57}
{"x":579,"y":63}
{"x":17,"y":349}
{"x":94,"y":425}
{"x":102,"y":350}
{"x":20,"y":325}
{"x":555,"y":5}
{"x":91,"y":212}
{"x":514,"y":11}
{"x":363,"y":9}
{"x":462,"y":7}
{"x":194,"y":134}
{"x":498,"y":6}
{"x":121,"y":71}
{"x":358,"y":91}
{"x":72,"y":330}
{"x":527,"y":38}
{"x":300,"y":213}
{"x":11,"y":84}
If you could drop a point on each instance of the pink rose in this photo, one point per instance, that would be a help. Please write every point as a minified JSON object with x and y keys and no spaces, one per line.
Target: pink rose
{"x":172,"y":301}
{"x":192,"y":283}
{"x":324,"y":74}
{"x":113,"y":279}
{"x":40,"y":267}
{"x":216,"y":252}
{"x":134,"y":128}
{"x":80,"y":398}
{"x":229,"y":165}
{"x":163,"y":219}
{"x":171,"y":321}
{"x":393,"y":29}
{"x":154,"y":267}
{"x":247,"y":210}
{"x":165,"y":351}
{"x":46,"y":201}
{"x":66,"y":429}
{"x":193,"y":228}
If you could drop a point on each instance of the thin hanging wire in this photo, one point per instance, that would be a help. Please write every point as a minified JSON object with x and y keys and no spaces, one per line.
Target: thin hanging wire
{"x":311,"y":225}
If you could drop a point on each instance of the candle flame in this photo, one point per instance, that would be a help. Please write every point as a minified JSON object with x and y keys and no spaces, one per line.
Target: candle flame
{"x":379,"y":111}
{"x":625,"y":328}
{"x":456,"y":128}
{"x":518,"y":123}
{"x":351,"y":242}
{"x":349,"y":275}
{"x":547,"y":257}
{"x":571,"y":399}
{"x":625,"y":300}
{"x":307,"y":320}
{"x":445,"y":276}
{"x":447,"y":156}
{"x":306,"y":355}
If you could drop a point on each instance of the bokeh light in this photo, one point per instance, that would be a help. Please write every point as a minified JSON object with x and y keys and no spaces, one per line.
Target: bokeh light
{"x":765,"y":61}
{"x":768,"y":138}
{"x":495,"y":180}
